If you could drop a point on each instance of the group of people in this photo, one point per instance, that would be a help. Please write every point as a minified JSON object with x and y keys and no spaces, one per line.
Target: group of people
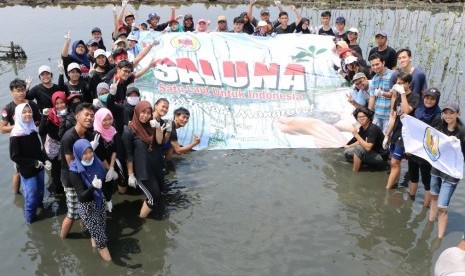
{"x":96,"y":135}
{"x":382,"y":94}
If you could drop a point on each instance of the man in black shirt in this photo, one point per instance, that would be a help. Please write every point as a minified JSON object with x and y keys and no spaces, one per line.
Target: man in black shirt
{"x":82,"y":130}
{"x":367,"y":145}
{"x":43,"y":92}
{"x":283,"y":19}
{"x":389,"y":54}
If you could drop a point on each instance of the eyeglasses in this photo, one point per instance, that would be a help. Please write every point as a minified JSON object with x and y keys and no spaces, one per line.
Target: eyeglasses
{"x":361,"y":117}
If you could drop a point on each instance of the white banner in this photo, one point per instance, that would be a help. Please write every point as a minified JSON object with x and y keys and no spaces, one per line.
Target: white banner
{"x":251,"y":92}
{"x":441,"y":151}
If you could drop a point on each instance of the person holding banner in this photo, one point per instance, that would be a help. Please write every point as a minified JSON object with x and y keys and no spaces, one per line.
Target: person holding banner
{"x":366,"y":146}
{"x":443,"y":185}
{"x":405,"y":103}
{"x":429,"y":113}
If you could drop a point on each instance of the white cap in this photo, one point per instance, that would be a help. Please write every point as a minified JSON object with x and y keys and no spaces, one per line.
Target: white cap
{"x":44,"y":68}
{"x":121,"y":40}
{"x":74,"y":65}
{"x":262,"y":23}
{"x":353,"y":30}
{"x":99,"y":52}
{"x":350,"y":59}
{"x":131,"y":37}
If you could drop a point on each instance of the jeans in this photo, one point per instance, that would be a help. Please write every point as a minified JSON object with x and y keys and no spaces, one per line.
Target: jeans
{"x":33,"y":191}
{"x":443,"y":189}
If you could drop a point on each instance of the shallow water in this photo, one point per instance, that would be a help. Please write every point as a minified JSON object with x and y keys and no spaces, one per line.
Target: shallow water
{"x":247,"y":212}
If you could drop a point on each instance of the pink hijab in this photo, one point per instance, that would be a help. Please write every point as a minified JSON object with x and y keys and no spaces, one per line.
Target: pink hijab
{"x":107,"y":134}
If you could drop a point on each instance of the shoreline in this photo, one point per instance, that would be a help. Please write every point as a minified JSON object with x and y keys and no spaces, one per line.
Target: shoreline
{"x":433,"y":4}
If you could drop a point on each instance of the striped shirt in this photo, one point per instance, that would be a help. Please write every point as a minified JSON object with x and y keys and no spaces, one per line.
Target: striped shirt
{"x":384,"y":82}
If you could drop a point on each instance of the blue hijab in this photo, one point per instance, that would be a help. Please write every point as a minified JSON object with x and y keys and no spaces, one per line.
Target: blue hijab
{"x":81,"y":59}
{"x":427,"y":114}
{"x":89,"y":172}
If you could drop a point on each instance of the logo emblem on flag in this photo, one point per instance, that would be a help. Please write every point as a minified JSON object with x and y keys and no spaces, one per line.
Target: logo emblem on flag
{"x":431,"y":144}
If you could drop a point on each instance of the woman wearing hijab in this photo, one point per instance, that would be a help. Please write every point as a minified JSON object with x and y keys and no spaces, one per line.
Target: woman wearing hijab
{"x":429,"y":113}
{"x":143,"y":155}
{"x":49,"y":127}
{"x":26,"y":151}
{"x":106,"y":151}
{"x":86,"y":174}
{"x":78,"y":54}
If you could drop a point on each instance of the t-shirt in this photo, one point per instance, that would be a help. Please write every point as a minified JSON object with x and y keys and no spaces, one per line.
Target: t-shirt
{"x":174,"y":134}
{"x":450,"y":262}
{"x":122,"y":86}
{"x":357,"y":49}
{"x":419,"y":82}
{"x":8,"y":112}
{"x":373,"y":135}
{"x":289,"y":29}
{"x":42,"y":95}
{"x":389,"y":55}
{"x":321,"y":31}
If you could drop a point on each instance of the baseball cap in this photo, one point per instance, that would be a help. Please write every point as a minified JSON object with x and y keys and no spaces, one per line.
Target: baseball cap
{"x":452,"y":106}
{"x":92,"y":42}
{"x":96,"y":30}
{"x":342,"y":44}
{"x":187,"y":16}
{"x":341,"y":19}
{"x":201,"y":20}
{"x":382,"y":33}
{"x":238,"y":19}
{"x":152,"y":16}
{"x":343,"y":51}
{"x":221,"y":18}
{"x":102,"y":85}
{"x":131,"y":37}
{"x":119,"y":34}
{"x":358,"y":76}
{"x":264,"y":11}
{"x":44,"y":68}
{"x":99,"y":52}
{"x":353,"y":30}
{"x":262,"y":23}
{"x":434,"y":92}
{"x":131,"y":89}
{"x":350,"y":59}
{"x":74,"y":65}
{"x":121,"y":40}
{"x":128,"y":14}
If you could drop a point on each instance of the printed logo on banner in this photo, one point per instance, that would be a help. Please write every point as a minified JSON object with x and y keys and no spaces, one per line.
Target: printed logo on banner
{"x":185,"y":43}
{"x":431,"y":144}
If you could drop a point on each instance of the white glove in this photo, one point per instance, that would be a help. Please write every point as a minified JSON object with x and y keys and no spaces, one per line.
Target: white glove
{"x":278,"y":3}
{"x":109,"y":206}
{"x":154,"y":123}
{"x":114,"y":175}
{"x":166,"y":29}
{"x":109,"y":176}
{"x":114,"y":9}
{"x":132,"y":180}
{"x":155,"y":41}
{"x":68,"y":36}
{"x":378,"y":92}
{"x":45,"y":111}
{"x":386,"y":142}
{"x":168,"y":126}
{"x":91,"y":72}
{"x":179,"y":17}
{"x":114,"y":87}
{"x":39,"y":164}
{"x":95,"y":143}
{"x":61,"y":67}
{"x":252,"y":2}
{"x":28,"y":82}
{"x":133,"y":25}
{"x":97,"y":183}
{"x":48,"y":165}
{"x":124,"y":2}
{"x":398,"y":88}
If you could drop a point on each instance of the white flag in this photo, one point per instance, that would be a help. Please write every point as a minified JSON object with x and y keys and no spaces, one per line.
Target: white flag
{"x":440,"y":150}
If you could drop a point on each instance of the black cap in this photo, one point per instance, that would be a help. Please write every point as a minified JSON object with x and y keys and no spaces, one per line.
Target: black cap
{"x":131,"y":89}
{"x":96,"y":29}
{"x":434,"y":92}
{"x":238,"y":19}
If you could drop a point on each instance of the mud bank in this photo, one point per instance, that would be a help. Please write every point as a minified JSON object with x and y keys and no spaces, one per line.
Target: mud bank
{"x":227,"y":3}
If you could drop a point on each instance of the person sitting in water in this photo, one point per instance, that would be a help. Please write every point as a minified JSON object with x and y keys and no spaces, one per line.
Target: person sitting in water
{"x":367,"y":145}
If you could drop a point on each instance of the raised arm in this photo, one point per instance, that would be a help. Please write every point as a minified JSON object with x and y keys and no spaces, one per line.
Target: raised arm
{"x":65,"y":49}
{"x":298,"y":15}
{"x":142,"y":71}
{"x":249,"y":9}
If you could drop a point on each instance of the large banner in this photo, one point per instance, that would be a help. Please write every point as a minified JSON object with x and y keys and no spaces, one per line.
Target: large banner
{"x":441,"y":151}
{"x":251,"y":92}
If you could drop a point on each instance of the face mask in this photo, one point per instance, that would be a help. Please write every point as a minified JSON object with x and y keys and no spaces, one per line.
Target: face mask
{"x":103,"y":98}
{"x":132,"y":100}
{"x":86,"y":164}
{"x":63,"y":112}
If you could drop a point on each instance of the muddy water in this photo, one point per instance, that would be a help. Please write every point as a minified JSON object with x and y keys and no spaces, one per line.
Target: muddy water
{"x":249,"y":212}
